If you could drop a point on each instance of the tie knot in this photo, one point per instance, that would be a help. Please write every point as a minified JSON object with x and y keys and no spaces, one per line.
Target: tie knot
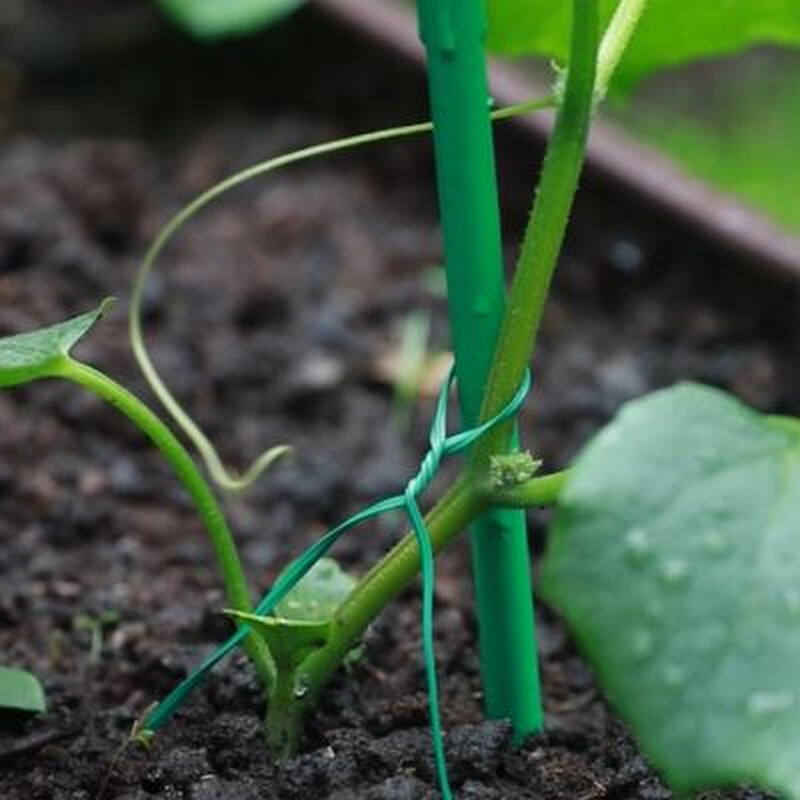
{"x":426,"y":473}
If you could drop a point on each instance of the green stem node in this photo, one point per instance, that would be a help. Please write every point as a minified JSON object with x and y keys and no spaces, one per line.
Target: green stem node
{"x":541,"y":491}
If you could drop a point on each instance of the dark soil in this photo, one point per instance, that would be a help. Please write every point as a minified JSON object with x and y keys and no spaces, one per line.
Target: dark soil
{"x":268,"y":317}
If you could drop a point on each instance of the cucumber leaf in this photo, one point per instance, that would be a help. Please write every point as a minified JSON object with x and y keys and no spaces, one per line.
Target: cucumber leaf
{"x":670,"y":33}
{"x":210,"y":19}
{"x":21,"y":692}
{"x":29,"y":356}
{"x":675,"y":560}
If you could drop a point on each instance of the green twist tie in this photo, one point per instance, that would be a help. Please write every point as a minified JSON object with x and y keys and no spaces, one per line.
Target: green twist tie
{"x":441,"y":445}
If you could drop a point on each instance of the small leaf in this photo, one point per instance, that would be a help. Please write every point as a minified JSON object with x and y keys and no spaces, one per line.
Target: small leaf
{"x":671,"y":32}
{"x":28,"y":356}
{"x":21,"y":692}
{"x":302,"y":619}
{"x":674,"y":559}
{"x":318,"y":594}
{"x":289,"y":640}
{"x":209,"y":19}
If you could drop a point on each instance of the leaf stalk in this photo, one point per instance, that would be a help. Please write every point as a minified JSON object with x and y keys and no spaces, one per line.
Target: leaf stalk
{"x":204,"y":500}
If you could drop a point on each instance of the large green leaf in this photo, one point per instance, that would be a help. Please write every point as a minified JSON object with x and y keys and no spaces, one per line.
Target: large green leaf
{"x":670,"y":33}
{"x":210,"y":19}
{"x":20,"y":692}
{"x":29,"y":356}
{"x":675,"y":561}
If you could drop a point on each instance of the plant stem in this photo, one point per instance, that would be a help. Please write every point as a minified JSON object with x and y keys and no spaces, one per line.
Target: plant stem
{"x":543,"y":490}
{"x":615,"y":41}
{"x":204,"y":500}
{"x":283,"y":726}
{"x":464,"y":502}
{"x":451,"y":515}
{"x":545,"y":232}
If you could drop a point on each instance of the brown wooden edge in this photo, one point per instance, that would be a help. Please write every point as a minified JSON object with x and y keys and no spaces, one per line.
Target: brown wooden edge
{"x":613,"y":157}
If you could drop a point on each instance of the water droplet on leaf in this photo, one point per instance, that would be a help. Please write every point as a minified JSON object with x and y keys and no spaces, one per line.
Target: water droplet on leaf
{"x":768,"y":704}
{"x":638,"y":547}
{"x":642,"y":644}
{"x":791,"y":600}
{"x":709,"y":453}
{"x":674,"y":676}
{"x":654,"y":608}
{"x":715,"y":543}
{"x":712,"y":635}
{"x":674,"y":572}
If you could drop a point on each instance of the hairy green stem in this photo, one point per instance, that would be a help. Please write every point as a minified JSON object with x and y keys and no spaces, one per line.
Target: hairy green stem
{"x":283,"y":725}
{"x":204,"y":500}
{"x":464,"y":502}
{"x":543,"y":490}
{"x":615,"y":41}
{"x":545,"y":231}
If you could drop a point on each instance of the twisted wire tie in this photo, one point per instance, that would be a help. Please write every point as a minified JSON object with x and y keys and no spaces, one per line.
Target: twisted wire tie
{"x":440,"y":446}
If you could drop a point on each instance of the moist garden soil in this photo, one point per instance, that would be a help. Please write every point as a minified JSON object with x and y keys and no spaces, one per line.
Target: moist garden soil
{"x":271,"y":317}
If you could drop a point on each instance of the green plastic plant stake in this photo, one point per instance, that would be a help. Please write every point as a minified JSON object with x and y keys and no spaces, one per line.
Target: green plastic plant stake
{"x":453,"y":32}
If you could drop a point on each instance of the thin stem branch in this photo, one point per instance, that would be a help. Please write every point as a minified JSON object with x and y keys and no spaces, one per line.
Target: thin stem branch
{"x":463,"y":502}
{"x":185,"y":469}
{"x":545,"y":232}
{"x":615,"y":42}
{"x":544,"y":490}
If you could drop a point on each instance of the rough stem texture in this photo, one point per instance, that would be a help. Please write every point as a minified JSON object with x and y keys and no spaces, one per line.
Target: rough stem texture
{"x":540,"y":491}
{"x":540,"y":249}
{"x":546,"y":228}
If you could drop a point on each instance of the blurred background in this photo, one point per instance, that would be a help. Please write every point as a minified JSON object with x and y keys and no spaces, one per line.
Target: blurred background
{"x":734,"y":122}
